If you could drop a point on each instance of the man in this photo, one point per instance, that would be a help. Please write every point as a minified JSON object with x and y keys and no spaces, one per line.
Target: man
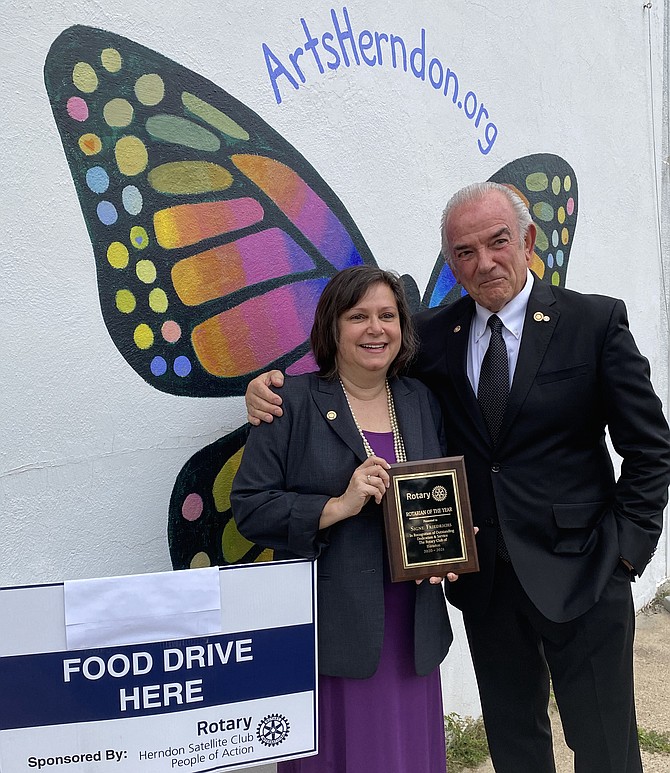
{"x":560,"y":538}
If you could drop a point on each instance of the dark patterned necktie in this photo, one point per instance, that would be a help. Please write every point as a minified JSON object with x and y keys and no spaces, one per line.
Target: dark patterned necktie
{"x":492,"y":395}
{"x":493,"y":386}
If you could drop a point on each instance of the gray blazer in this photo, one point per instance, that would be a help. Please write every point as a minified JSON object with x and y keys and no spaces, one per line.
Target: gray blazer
{"x":289,"y":470}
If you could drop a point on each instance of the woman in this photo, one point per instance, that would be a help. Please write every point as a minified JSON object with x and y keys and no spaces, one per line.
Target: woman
{"x":310,"y":485}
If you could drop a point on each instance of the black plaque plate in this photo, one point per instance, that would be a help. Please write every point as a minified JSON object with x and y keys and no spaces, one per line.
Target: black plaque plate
{"x":428,"y":519}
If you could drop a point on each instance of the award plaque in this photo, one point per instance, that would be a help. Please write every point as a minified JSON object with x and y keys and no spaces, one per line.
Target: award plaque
{"x":428,"y":519}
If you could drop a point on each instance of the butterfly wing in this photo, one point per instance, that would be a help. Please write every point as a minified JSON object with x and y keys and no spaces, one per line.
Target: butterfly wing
{"x":212,"y":236}
{"x":548,"y":185}
{"x":201,"y":529}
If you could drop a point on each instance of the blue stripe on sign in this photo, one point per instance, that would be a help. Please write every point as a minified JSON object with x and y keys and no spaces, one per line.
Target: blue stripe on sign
{"x":107,"y":683}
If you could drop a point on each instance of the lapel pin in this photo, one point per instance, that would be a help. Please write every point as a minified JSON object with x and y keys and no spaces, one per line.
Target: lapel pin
{"x":457,"y":329}
{"x":538,"y":316}
{"x":545,"y":318}
{"x":331,"y":415}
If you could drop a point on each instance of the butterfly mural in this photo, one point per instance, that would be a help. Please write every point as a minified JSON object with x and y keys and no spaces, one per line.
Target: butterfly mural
{"x":213,"y":238}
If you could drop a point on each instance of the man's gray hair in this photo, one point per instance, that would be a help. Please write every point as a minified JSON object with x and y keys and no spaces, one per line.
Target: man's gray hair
{"x":475,"y":192}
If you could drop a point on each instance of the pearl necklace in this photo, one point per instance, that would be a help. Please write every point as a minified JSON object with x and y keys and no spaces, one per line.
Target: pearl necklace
{"x":398,"y":445}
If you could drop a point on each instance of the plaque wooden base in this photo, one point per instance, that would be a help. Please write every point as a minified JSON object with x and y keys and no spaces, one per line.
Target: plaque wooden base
{"x":428,"y":520}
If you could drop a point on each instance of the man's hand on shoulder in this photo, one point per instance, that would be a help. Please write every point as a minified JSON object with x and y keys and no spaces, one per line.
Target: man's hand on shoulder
{"x":262,"y":403}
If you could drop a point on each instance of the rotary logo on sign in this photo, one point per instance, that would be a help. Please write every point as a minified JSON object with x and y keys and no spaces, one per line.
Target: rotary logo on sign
{"x":273,"y":729}
{"x":439,"y":493}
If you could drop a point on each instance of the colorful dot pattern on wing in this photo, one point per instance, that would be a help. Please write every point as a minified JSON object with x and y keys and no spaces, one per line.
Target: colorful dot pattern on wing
{"x":213,"y":237}
{"x":553,"y":206}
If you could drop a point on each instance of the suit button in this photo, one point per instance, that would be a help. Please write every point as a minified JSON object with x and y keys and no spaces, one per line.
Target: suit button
{"x":490,"y":522}
{"x":495,"y":467}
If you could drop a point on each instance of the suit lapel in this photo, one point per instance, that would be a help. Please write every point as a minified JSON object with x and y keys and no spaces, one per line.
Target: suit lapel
{"x":329,"y":399}
{"x":458,"y":337}
{"x":408,"y":413}
{"x":539,"y":324}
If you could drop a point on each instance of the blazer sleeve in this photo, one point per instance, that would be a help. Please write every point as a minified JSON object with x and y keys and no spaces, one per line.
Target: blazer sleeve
{"x":640,"y":435}
{"x":265,"y":510}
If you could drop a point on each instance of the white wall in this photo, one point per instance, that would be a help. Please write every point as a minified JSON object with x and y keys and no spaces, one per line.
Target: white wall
{"x":89,"y":451}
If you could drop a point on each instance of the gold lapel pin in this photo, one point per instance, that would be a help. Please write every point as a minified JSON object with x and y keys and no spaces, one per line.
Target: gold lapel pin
{"x":538,"y":316}
{"x":331,"y":415}
{"x":457,"y":329}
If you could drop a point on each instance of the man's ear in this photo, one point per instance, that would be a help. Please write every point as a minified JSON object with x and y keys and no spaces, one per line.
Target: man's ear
{"x":529,"y":242}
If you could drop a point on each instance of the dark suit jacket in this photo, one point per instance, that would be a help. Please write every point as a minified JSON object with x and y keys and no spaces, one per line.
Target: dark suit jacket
{"x":289,"y":470}
{"x":549,"y":481}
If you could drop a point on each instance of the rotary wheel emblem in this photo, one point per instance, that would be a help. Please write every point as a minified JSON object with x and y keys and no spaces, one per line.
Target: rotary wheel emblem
{"x":273,"y":729}
{"x":439,"y":493}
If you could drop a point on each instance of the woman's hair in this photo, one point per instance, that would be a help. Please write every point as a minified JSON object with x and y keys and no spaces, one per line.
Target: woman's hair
{"x":342,"y":293}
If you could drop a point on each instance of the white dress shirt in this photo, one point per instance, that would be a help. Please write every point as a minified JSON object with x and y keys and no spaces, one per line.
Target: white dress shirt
{"x":512,"y":316}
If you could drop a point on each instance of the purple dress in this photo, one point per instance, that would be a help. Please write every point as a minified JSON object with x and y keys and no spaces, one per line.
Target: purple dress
{"x":393,"y":721}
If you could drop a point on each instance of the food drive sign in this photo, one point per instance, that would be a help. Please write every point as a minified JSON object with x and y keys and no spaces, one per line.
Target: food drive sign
{"x":164,"y":694}
{"x":208,"y":703}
